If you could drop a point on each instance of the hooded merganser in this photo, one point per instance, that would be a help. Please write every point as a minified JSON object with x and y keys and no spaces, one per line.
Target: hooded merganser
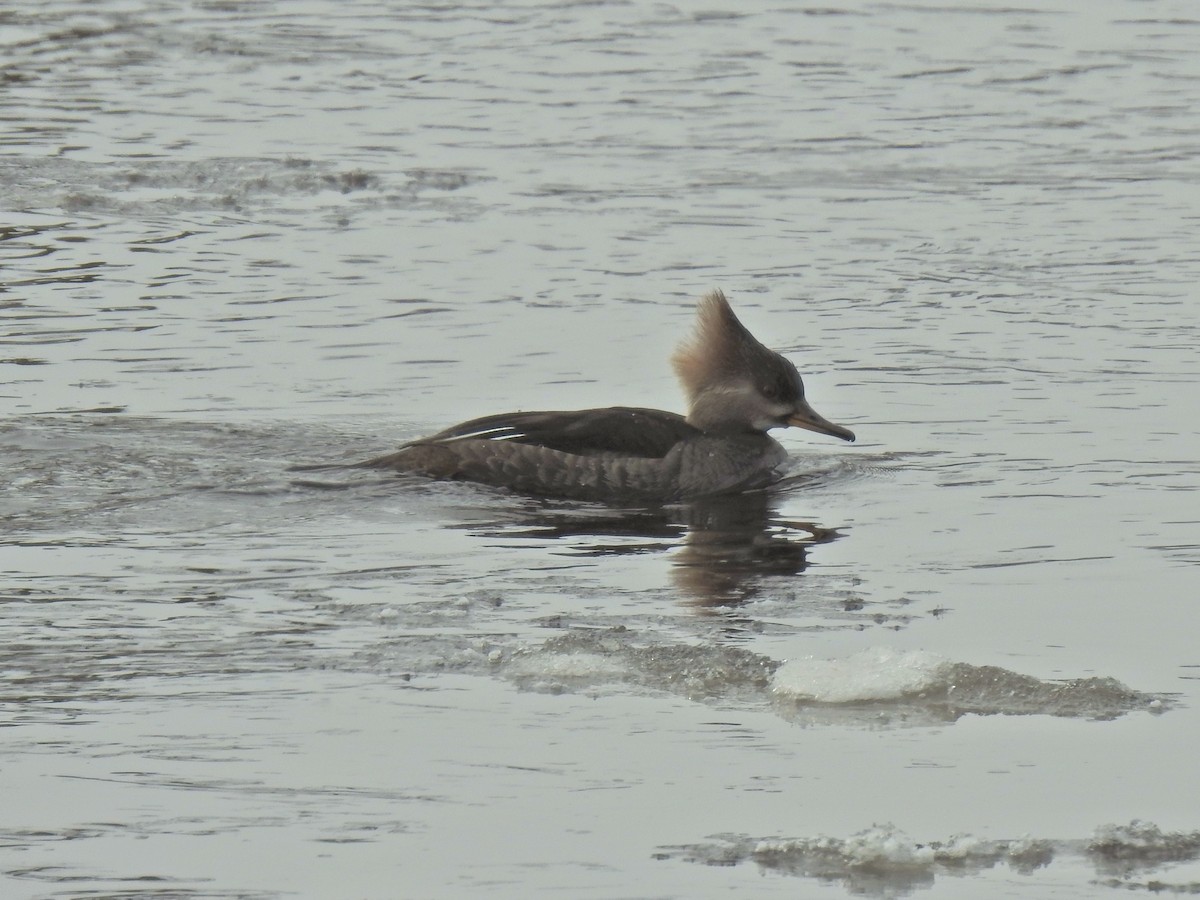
{"x":737,"y":391}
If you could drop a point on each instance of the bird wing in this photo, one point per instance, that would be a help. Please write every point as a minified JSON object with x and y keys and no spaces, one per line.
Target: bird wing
{"x":626,"y":431}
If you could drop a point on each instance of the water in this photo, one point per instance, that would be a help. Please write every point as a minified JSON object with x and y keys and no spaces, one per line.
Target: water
{"x":242,"y":237}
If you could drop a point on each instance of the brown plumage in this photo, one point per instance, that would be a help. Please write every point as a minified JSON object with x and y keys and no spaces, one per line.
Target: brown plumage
{"x":737,"y":391}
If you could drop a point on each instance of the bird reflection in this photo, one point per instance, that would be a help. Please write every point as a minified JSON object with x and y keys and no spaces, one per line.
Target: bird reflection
{"x":722,"y":547}
{"x":732,"y":542}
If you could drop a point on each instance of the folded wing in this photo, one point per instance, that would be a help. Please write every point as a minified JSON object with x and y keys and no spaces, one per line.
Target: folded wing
{"x":621,"y":430}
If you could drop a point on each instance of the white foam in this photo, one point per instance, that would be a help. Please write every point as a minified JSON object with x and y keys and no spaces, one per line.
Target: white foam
{"x":877,"y":673}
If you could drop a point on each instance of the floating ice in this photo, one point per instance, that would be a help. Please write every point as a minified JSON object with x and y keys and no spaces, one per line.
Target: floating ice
{"x":880,"y":847}
{"x":875,"y":687}
{"x":547,"y":668}
{"x":877,"y":673}
{"x":916,"y":686}
{"x":586,"y":658}
{"x":1144,"y":842}
{"x":884,"y":861}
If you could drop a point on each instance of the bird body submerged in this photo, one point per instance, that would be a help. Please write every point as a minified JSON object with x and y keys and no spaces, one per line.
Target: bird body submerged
{"x":737,"y":390}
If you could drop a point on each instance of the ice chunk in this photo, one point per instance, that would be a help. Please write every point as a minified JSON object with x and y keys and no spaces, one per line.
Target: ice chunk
{"x":877,"y":673}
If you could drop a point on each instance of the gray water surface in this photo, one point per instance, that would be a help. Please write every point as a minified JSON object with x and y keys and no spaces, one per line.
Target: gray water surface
{"x":242,"y":238}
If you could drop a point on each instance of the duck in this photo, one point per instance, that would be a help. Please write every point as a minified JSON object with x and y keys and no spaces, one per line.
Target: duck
{"x":737,"y":391}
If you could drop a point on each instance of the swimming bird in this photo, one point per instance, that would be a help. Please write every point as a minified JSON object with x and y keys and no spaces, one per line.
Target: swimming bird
{"x":737,"y":391}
